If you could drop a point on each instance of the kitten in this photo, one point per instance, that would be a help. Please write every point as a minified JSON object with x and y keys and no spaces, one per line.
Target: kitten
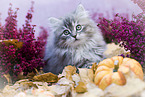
{"x":74,"y":39}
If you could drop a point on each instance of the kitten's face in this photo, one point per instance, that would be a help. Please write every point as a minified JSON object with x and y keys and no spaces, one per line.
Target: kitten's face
{"x":73,"y":30}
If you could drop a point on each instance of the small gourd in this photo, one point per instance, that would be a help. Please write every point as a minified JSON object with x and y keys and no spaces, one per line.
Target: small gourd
{"x":116,"y":70}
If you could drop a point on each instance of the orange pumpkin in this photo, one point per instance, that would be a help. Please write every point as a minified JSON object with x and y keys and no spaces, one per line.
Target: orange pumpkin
{"x":116,"y":70}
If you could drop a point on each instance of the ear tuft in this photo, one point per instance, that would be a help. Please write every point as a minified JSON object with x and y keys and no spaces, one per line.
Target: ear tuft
{"x":80,"y":8}
{"x":81,"y":12}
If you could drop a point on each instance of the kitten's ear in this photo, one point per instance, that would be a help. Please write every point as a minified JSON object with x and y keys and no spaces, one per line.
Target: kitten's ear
{"x":81,"y":10}
{"x":53,"y":21}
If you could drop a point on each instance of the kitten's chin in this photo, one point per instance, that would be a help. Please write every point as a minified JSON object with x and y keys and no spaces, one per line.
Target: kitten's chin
{"x":76,"y":43}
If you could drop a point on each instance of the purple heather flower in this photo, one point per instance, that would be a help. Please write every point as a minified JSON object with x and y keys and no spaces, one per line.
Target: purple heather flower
{"x":130,"y":33}
{"x":30,"y":55}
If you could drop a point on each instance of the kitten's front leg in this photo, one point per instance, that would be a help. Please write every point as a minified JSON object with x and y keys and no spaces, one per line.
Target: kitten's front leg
{"x":85,"y":63}
{"x":89,"y":64}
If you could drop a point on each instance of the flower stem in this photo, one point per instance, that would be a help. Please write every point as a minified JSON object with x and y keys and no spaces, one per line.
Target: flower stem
{"x":116,"y":66}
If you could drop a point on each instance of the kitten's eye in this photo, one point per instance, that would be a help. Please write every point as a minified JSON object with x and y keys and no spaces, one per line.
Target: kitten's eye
{"x":66,"y":32}
{"x":78,"y":27}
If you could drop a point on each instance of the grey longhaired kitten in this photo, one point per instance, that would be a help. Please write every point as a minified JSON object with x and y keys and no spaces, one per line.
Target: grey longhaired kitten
{"x":74,"y":39}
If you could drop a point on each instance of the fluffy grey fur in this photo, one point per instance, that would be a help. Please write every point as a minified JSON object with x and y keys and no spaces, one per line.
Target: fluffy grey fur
{"x":74,"y":39}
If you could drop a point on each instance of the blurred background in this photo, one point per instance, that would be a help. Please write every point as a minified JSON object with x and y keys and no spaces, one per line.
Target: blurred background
{"x":43,"y":9}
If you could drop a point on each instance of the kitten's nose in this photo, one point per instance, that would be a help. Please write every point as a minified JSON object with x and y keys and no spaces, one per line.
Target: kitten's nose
{"x":75,"y":36}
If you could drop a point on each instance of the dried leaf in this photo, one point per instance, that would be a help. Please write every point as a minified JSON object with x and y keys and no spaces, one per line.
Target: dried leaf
{"x":76,"y":79}
{"x":28,"y":85}
{"x":81,"y":88}
{"x":86,"y":75}
{"x":64,"y":81}
{"x":21,"y":81}
{"x":47,"y":77}
{"x":29,"y":76}
{"x":92,"y":91}
{"x":8,"y":77}
{"x":68,"y":71}
{"x":59,"y":90}
{"x":94,"y":67}
{"x":115,"y":50}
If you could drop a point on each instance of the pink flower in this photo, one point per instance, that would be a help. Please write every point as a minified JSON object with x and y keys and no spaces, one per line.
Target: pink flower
{"x":129,"y":33}
{"x":25,"y":54}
